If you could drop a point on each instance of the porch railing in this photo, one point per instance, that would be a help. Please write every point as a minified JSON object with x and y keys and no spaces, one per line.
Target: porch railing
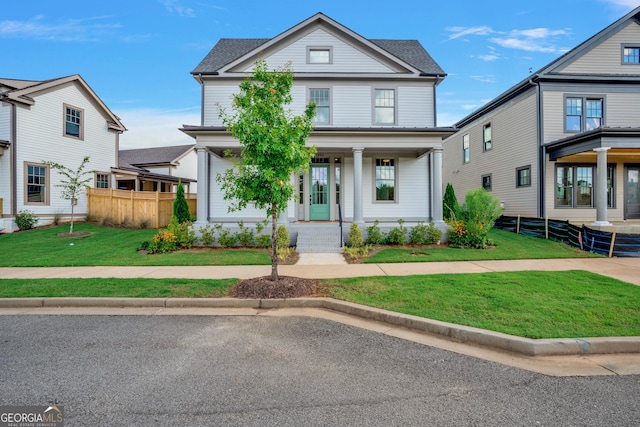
{"x":340,"y":221}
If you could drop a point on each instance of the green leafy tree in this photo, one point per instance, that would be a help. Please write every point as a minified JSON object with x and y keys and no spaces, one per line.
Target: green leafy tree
{"x":272,"y":146}
{"x":73,"y":183}
{"x":450,"y":207}
{"x":180,"y":206}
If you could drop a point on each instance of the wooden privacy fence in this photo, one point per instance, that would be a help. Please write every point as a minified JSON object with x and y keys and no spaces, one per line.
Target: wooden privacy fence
{"x":124,"y":206}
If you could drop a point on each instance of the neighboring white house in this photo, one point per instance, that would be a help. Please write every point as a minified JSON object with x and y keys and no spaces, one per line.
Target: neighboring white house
{"x":379,"y":148}
{"x":157,"y":169}
{"x":541,"y":146}
{"x":60,"y":120}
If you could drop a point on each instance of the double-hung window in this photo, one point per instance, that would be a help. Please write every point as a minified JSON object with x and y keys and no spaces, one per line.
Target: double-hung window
{"x":486,"y":137}
{"x":73,"y":122}
{"x":385,"y":107}
{"x":385,"y":180}
{"x":583,"y":113}
{"x":631,"y":54}
{"x":465,"y":148}
{"x":103,"y":180}
{"x":37,"y":184}
{"x":523,"y":176}
{"x":575,"y":186}
{"x":320,"y":97}
{"x":486,"y":182}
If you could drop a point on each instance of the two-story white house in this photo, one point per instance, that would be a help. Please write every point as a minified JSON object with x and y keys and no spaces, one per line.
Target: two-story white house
{"x":564,"y":143}
{"x":60,"y":120}
{"x":379,"y":150}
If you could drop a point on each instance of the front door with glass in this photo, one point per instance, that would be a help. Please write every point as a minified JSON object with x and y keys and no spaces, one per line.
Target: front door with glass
{"x":319,"y":188}
{"x":632,"y":192}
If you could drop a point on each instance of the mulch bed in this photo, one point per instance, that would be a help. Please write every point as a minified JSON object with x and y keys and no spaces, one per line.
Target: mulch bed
{"x":265,"y":288}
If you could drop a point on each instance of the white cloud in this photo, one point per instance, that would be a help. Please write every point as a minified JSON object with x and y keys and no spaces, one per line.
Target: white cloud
{"x":538,"y":33}
{"x":485,"y":79}
{"x":458,"y":32}
{"x":527,"y":44}
{"x":174,"y":6}
{"x":88,"y":29}
{"x":468,"y":107}
{"x":626,"y":4}
{"x":156,"y":128}
{"x":489,"y":58}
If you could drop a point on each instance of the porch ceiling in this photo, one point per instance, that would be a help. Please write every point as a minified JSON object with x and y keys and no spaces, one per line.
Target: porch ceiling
{"x":623,"y":141}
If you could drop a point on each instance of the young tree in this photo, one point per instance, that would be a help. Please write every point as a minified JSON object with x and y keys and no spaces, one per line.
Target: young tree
{"x":180,"y":206}
{"x":450,"y":207}
{"x":72,"y":183}
{"x":272,"y":146}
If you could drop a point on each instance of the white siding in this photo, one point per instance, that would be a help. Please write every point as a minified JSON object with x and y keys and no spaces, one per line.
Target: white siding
{"x":514,"y":144}
{"x":352,"y":105}
{"x":40,"y":137}
{"x":5,"y":162}
{"x":606,"y":58}
{"x":415,"y":106}
{"x":218,"y":94}
{"x":346,"y":57}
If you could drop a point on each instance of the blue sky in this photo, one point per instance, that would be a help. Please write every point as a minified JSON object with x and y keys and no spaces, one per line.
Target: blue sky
{"x":137,"y":55}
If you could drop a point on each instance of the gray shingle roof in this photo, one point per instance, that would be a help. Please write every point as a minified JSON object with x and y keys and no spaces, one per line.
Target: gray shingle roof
{"x":228,"y":50}
{"x":152,"y":156}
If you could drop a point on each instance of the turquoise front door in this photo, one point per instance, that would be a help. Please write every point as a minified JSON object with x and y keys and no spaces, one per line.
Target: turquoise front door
{"x":319,"y":203}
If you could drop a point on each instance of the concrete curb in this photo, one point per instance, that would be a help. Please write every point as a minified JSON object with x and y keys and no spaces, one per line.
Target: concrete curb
{"x":464,"y":334}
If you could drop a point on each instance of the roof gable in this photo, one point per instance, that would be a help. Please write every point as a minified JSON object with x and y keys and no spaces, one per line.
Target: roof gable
{"x":154,"y":155}
{"x":239,"y":55}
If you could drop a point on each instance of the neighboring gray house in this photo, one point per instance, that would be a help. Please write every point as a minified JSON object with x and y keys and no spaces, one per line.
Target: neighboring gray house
{"x":60,"y":120}
{"x":379,"y":148}
{"x":542,"y":146}
{"x":157,"y":169}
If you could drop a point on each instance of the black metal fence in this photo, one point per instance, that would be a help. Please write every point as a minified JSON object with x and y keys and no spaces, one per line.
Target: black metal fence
{"x":601,"y":242}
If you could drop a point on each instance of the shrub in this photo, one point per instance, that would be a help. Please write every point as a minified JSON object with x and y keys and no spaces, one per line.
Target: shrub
{"x":284,"y":253}
{"x":355,"y":236}
{"x":163,"y":241}
{"x":374,"y":235}
{"x":282,"y":237}
{"x":57,"y":218}
{"x":434,"y":235}
{"x":226,"y":238}
{"x":245,"y":236}
{"x":477,"y":215}
{"x":262,"y":240}
{"x":418,"y":234}
{"x":26,"y":220}
{"x":450,"y":207}
{"x":144,"y":223}
{"x":180,"y":206}
{"x":185,"y":235}
{"x":397,"y":235}
{"x":207,"y":235}
{"x":355,"y":254}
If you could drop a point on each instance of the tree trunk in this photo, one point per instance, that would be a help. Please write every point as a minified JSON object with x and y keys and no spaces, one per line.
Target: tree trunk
{"x":71,"y":226}
{"x":274,"y":247}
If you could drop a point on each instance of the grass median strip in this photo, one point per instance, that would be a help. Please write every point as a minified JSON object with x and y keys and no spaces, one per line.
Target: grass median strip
{"x":124,"y":288}
{"x":533,"y":304}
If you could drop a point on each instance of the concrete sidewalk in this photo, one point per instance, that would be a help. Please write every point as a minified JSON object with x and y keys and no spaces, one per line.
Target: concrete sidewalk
{"x":625,"y":269}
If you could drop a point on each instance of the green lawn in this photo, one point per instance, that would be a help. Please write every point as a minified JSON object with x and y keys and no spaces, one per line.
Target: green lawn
{"x":534,"y":304}
{"x":107,"y":246}
{"x":124,"y":288}
{"x":507,"y":246}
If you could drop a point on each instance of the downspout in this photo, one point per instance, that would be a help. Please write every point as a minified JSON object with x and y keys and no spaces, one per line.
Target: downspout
{"x":435,"y":111}
{"x":542,"y":151}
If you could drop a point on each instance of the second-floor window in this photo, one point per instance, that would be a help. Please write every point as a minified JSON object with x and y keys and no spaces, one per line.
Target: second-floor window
{"x":631,"y":55}
{"x":320,"y":97}
{"x":465,"y":149}
{"x":486,"y":137}
{"x":73,"y":122}
{"x":319,"y":55}
{"x":583,"y":113}
{"x":102,"y":180}
{"x":385,"y":107}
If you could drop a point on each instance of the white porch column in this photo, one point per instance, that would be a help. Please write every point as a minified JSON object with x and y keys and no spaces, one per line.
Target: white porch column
{"x":437,"y":186}
{"x":601,"y":187}
{"x":202,"y":196}
{"x":357,"y":185}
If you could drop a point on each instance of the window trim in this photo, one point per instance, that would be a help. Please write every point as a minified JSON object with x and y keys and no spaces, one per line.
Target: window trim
{"x":466,"y":158}
{"x":64,"y":121}
{"x":375,"y":107}
{"x":574,"y":186}
{"x":628,"y":46}
{"x":484,"y":141}
{"x":583,"y":116}
{"x":46,"y":186}
{"x":95,"y":179}
{"x":319,"y":48}
{"x":488,"y":175}
{"x":518,"y":182}
{"x":395,"y":180}
{"x":328,"y":106}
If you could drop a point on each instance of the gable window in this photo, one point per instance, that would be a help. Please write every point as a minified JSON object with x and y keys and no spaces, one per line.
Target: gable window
{"x":465,"y":148}
{"x":583,"y":113}
{"x":486,"y":137}
{"x":73,"y":122}
{"x":37,"y":184}
{"x":385,"y":180}
{"x":319,"y":55}
{"x":320,"y":97}
{"x":523,"y":176}
{"x":486,"y":182}
{"x":385,"y":107}
{"x":103,"y":180}
{"x":575,"y":189}
{"x":631,"y":54}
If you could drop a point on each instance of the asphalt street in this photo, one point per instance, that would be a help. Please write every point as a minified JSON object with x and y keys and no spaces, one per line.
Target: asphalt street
{"x":294,"y":371}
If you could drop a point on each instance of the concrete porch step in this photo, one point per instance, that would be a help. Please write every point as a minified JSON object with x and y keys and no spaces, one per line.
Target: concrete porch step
{"x":319,"y":240}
